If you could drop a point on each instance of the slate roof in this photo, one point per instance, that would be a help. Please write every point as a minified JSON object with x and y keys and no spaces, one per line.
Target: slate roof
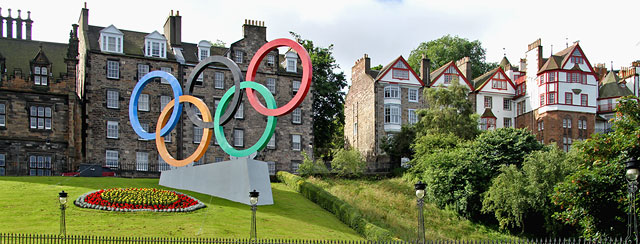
{"x":611,"y":87}
{"x":478,"y":82}
{"x":19,"y":53}
{"x":133,"y":42}
{"x":487,"y":113}
{"x":439,"y":71}
{"x":556,"y":60}
{"x":385,"y":68}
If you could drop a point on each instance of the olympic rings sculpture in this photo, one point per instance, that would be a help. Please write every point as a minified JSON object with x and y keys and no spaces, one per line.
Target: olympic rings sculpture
{"x":227,"y":107}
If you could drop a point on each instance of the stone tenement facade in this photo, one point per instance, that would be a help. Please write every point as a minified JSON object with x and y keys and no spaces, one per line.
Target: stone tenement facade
{"x":40,"y":124}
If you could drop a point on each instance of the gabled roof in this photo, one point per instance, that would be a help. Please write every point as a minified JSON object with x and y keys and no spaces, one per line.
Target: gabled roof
{"x":487,"y":113}
{"x":481,"y":81}
{"x":438,"y":72}
{"x":388,"y":67}
{"x":111,"y":29}
{"x":505,"y":64}
{"x":155,"y":35}
{"x":611,"y":87}
{"x":558,"y":60}
{"x":41,"y":57}
{"x":19,"y":53}
{"x":554,"y":62}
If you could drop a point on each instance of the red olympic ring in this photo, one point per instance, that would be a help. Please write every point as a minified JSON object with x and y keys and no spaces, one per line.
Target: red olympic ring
{"x":305,"y":83}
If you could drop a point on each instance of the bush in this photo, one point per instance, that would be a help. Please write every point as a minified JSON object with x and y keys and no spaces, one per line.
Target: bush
{"x":342,"y":210}
{"x":309,"y":167}
{"x":348,"y":163}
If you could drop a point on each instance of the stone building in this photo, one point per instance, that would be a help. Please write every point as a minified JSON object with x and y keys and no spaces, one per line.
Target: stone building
{"x":112,"y":61}
{"x":379,"y":102}
{"x":40,"y":125}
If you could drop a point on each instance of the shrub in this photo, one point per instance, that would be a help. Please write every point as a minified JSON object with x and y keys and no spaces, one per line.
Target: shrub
{"x":348,"y":163}
{"x":309,"y":167}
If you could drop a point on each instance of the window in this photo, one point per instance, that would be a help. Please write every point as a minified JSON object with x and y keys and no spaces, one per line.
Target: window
{"x":2,"y":163}
{"x":162,"y":165}
{"x":143,"y":69}
{"x":507,"y":123}
{"x":521,"y":108}
{"x":112,"y":159}
{"x":568,"y":98}
{"x":165,"y":69}
{"x":3,"y":115}
{"x":238,"y":137}
{"x":391,"y":114}
{"x":39,"y":165}
{"x":450,"y":74}
{"x":506,"y":104}
{"x":40,"y":118}
{"x":216,"y":101}
{"x":112,"y":129}
{"x":576,"y":57}
{"x":271,"y":60}
{"x":272,"y":167}
{"x":113,"y":69}
{"x":499,"y":82}
{"x":218,"y":159}
{"x":296,"y":116}
{"x":541,"y":99}
{"x":487,"y":123}
{"x":566,"y":142}
{"x":272,"y":142}
{"x":40,"y":75}
{"x":584,"y":100}
{"x":552,"y":76}
{"x":296,"y":142}
{"x":164,"y":100}
{"x":143,"y":103}
{"x":413,"y":95}
{"x":576,"y":77}
{"x":295,"y":165}
{"x":540,"y":125}
{"x":197,"y":134}
{"x":237,"y":56}
{"x":355,"y":129}
{"x":271,"y":85}
{"x":111,"y":42}
{"x":142,"y":161}
{"x":200,"y":79}
{"x":413,"y":117}
{"x":219,"y":80}
{"x":566,"y":123}
{"x":203,"y":53}
{"x":145,"y":128}
{"x":295,"y":86}
{"x":112,"y":99}
{"x":400,"y":71}
{"x":582,"y":124}
{"x":240,"y":112}
{"x":155,"y":49}
{"x":552,"y":98}
{"x":391,"y":92}
{"x":488,"y":102}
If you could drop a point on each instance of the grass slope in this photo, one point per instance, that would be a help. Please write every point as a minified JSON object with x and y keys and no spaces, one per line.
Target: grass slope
{"x":391,"y":204}
{"x":30,"y":205}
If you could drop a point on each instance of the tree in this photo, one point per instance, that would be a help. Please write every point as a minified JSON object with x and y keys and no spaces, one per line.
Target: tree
{"x":377,"y":67}
{"x":399,"y":145}
{"x":348,"y":162}
{"x":310,"y":167}
{"x":328,"y":97}
{"x":448,"y":48}
{"x":219,"y":43}
{"x":448,"y":111}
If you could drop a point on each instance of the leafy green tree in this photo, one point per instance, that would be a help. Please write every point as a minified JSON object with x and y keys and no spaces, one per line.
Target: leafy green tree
{"x":448,"y":111}
{"x":505,"y":146}
{"x":399,"y":145}
{"x":448,"y":48}
{"x":348,"y":162}
{"x":328,"y":97}
{"x":219,"y":43}
{"x":310,"y":167}
{"x":377,"y":67}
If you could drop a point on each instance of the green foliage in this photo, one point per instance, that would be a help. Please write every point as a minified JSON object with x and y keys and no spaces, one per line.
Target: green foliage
{"x":309,"y":167}
{"x":342,"y":210}
{"x":328,"y":97}
{"x":521,"y":196}
{"x":449,"y":111}
{"x":377,"y":67}
{"x":504,"y":146}
{"x":448,"y":48}
{"x":348,"y":162}
{"x":399,"y":145}
{"x":219,"y":43}
{"x":594,"y":197}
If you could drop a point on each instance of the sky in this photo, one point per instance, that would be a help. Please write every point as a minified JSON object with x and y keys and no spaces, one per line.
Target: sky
{"x":608,"y":31}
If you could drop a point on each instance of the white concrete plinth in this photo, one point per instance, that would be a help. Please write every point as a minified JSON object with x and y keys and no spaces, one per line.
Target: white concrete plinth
{"x":232,"y":180}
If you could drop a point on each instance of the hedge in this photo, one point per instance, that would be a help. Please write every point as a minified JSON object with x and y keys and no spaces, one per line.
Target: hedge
{"x":342,"y":210}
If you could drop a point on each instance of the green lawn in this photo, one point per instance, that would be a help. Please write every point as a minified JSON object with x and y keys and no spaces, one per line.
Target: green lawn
{"x":391,"y":204}
{"x":30,"y":205}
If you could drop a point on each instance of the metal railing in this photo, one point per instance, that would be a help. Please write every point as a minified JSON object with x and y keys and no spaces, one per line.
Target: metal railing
{"x":6,"y":238}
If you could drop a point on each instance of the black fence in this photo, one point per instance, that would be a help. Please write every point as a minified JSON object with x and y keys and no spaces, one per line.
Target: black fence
{"x":36,"y":238}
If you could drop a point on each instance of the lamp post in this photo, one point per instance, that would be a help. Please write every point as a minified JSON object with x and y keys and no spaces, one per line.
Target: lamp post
{"x":632,"y":220}
{"x":62,"y":197}
{"x":420,"y":194}
{"x":253,"y":199}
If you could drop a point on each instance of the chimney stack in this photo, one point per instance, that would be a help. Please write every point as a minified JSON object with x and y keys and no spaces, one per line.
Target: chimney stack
{"x":173,"y":29}
{"x":9,"y":25}
{"x":19,"y":26}
{"x":464,"y":65}
{"x":255,"y":29}
{"x":425,"y":69}
{"x":28,"y":22}
{"x":84,"y":19}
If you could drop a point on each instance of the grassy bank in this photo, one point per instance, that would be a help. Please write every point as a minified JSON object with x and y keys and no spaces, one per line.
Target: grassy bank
{"x":391,"y":204}
{"x":30,"y":205}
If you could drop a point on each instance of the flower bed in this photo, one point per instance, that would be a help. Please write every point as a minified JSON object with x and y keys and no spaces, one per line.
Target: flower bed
{"x":138,"y":199}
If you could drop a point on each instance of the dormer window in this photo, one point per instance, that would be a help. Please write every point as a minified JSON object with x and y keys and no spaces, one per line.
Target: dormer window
{"x":400,"y":71}
{"x":204,"y":53}
{"x":203,"y":50}
{"x":155,"y":45}
{"x":292,"y":62}
{"x":111,"y":40}
{"x":40,"y":75}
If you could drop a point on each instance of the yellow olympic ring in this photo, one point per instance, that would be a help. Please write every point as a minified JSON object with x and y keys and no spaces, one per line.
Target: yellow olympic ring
{"x":206,"y":133}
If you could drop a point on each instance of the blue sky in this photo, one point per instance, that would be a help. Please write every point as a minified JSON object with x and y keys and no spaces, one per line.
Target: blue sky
{"x":384,"y":29}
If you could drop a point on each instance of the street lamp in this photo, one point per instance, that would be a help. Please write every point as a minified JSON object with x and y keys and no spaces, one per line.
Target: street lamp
{"x":632,"y":178}
{"x":62,"y":197}
{"x":420,"y":194}
{"x":253,"y":199}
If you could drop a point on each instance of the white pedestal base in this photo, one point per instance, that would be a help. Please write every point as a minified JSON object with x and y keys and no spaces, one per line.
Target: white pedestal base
{"x":232,"y":180}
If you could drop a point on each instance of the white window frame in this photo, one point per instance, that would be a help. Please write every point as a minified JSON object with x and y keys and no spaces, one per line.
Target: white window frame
{"x":296,"y":116}
{"x":271,"y":60}
{"x":295,"y":86}
{"x":111,"y":158}
{"x":506,"y":104}
{"x":168,"y":70}
{"x":295,"y":165}
{"x":240,"y":112}
{"x":238,"y":137}
{"x":40,"y":118}
{"x":113,"y":99}
{"x":392,"y":114}
{"x":111,"y":43}
{"x":162,"y":165}
{"x":112,"y":129}
{"x":142,"y":161}
{"x":218,"y":80}
{"x":296,"y":142}
{"x":3,"y":163}
{"x":292,"y":65}
{"x":197,"y":134}
{"x":488,"y":102}
{"x":412,"y":116}
{"x":238,"y":56}
{"x":272,"y":142}
{"x":3,"y":114}
{"x":203,"y":53}
{"x":143,"y":102}
{"x":392,"y":91}
{"x":152,"y":45}
{"x":272,"y":167}
{"x":113,"y":69}
{"x":143,"y":69}
{"x":271,"y":85}
{"x":164,"y":100}
{"x":413,"y":95}
{"x":40,"y":75}
{"x":505,"y":124}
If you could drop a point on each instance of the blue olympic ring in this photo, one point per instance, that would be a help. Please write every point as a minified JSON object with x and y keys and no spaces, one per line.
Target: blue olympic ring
{"x":133,"y":104}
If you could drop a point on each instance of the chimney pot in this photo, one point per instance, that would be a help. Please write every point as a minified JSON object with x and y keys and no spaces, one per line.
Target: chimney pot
{"x":9,"y":13}
{"x":171,"y":13}
{"x":19,"y":13}
{"x":177,"y":12}
{"x":85,"y":4}
{"x":28,"y":14}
